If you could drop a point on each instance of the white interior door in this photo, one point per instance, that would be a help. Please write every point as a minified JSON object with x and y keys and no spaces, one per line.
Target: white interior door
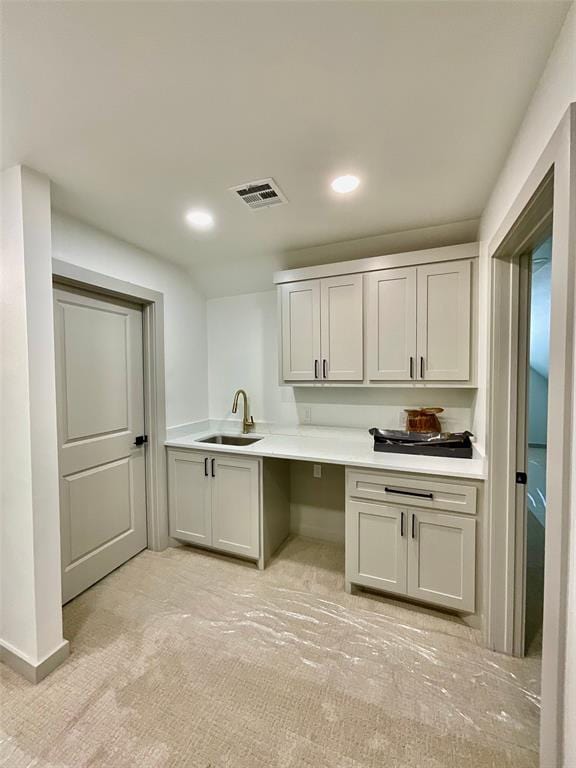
{"x":341,"y":328}
{"x":100,"y":398}
{"x":391,"y":324}
{"x":189,"y":490}
{"x":444,"y":321}
{"x":235,"y":505}
{"x":301,"y":330}
{"x":442,"y":559}
{"x":376,"y":546}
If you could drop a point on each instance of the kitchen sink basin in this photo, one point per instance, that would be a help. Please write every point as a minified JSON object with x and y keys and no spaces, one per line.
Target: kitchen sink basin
{"x":229,"y":440}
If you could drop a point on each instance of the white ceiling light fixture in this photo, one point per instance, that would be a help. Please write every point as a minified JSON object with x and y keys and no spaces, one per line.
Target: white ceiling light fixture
{"x":345,"y":184}
{"x":201,"y":220}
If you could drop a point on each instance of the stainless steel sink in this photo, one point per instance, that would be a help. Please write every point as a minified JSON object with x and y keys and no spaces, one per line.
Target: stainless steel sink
{"x":229,"y":440}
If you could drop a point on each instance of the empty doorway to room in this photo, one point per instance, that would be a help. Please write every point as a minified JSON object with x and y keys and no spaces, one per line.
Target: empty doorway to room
{"x":533,"y":374}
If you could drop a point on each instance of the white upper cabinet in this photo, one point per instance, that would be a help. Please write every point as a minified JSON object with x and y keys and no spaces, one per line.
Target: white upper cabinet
{"x":404,"y":318}
{"x":322,"y":330}
{"x":391,"y":324}
{"x":444,"y":321}
{"x":341,"y":328}
{"x":301,"y":330}
{"x":418,"y":323}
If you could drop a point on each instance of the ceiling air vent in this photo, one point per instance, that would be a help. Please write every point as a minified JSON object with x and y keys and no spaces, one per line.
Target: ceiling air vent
{"x":260,"y":194}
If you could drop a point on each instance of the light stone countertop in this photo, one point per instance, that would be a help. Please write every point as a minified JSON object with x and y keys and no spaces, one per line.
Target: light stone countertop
{"x":350,"y":447}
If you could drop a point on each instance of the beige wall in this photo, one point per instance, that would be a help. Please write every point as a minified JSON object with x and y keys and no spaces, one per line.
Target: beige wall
{"x":317,"y":503}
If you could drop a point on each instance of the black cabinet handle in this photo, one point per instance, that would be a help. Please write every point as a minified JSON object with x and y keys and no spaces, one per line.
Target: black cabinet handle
{"x":206,"y":467}
{"x":411,"y":367}
{"x":324,"y":369}
{"x":315,"y":369}
{"x":409,"y":493}
{"x":213,"y":470}
{"x":413,"y":526}
{"x":141,"y":440}
{"x":401,"y":523}
{"x":421,"y":367}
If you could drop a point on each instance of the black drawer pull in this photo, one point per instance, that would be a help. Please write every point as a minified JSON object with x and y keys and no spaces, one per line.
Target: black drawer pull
{"x":206,"y":467}
{"x":411,"y":367}
{"x":315,"y":369}
{"x":401,"y":523}
{"x":413,"y":526}
{"x":325,"y":369}
{"x":409,"y":493}
{"x":213,"y":470}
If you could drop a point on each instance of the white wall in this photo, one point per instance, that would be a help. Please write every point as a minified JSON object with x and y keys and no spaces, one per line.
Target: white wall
{"x":30,"y":593}
{"x":184,"y":308}
{"x":555,"y":92}
{"x":243,"y":352}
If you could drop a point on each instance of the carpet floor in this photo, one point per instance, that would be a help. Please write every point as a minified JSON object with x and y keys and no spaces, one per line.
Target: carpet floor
{"x":182,"y":658}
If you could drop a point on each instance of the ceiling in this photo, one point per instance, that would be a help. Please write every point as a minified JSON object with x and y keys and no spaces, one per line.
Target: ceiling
{"x":139,"y":111}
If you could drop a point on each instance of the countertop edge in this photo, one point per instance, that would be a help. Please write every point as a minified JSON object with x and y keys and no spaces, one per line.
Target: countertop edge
{"x":256,"y":450}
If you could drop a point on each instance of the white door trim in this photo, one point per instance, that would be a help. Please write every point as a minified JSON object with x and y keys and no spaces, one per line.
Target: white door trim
{"x":152,"y":303}
{"x":559,"y":155}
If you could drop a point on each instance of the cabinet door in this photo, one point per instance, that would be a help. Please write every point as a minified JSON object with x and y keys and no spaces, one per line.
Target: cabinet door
{"x":235,"y":505}
{"x":391,"y":324}
{"x":443,"y":317}
{"x":301,"y":330}
{"x":376,"y":546}
{"x":189,"y":497}
{"x":341,"y":328}
{"x":442,"y":559}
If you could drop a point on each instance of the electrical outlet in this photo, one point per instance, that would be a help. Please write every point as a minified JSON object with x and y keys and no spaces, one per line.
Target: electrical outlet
{"x":307,"y":416}
{"x":317,"y":470}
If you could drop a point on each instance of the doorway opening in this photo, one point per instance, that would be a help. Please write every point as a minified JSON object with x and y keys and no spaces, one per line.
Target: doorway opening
{"x":535,"y":435}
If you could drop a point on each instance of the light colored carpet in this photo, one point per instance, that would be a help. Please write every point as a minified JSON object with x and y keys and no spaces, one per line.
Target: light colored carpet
{"x":181,"y":658}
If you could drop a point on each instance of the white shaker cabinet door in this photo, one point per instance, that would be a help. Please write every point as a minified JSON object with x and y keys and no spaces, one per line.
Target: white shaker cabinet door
{"x":189,"y":497}
{"x":391,"y":324}
{"x":442,"y":559}
{"x":235,"y":505}
{"x":301,"y":330}
{"x":443,"y":318}
{"x":342,"y":328}
{"x":376,"y":546}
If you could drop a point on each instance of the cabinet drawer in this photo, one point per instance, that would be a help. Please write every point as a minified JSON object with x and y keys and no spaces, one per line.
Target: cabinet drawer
{"x":423,"y":493}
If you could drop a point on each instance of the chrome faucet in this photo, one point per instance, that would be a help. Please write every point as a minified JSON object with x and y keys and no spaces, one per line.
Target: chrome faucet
{"x":247,"y":421}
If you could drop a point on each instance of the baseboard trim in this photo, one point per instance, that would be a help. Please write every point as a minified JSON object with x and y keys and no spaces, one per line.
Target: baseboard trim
{"x":34,"y":673}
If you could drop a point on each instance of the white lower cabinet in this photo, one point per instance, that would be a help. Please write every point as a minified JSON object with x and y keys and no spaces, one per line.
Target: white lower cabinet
{"x":376,"y":546}
{"x":189,"y":497}
{"x":430,"y":556}
{"x":235,"y":506}
{"x":214,"y":501}
{"x":442,"y":559}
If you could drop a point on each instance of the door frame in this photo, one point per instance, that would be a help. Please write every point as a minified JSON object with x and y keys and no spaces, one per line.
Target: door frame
{"x":152,"y":304}
{"x":557,"y":163}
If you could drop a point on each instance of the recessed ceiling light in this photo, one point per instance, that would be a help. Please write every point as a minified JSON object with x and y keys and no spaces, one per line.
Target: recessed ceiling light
{"x":344,"y":184}
{"x":200,"y":219}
